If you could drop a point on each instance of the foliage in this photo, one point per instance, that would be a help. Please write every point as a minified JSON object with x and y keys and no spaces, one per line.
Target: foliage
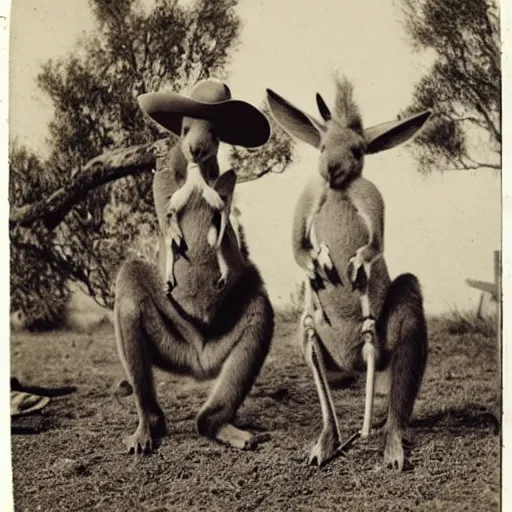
{"x":94,"y":91}
{"x":34,"y":277}
{"x":134,"y":49}
{"x":292,"y":311}
{"x":462,"y":86}
{"x":469,"y":322}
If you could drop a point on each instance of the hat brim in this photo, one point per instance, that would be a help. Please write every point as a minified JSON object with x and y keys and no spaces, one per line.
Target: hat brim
{"x":239,"y":123}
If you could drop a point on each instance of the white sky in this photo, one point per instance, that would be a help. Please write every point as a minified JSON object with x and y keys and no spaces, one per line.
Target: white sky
{"x":443,"y":227}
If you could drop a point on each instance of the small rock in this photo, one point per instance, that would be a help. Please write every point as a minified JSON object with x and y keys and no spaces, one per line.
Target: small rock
{"x":69,"y":467}
{"x":124,"y":388}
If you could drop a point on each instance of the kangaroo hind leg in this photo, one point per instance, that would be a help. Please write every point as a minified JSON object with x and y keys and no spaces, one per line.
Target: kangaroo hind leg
{"x":402,"y":323}
{"x":133,"y":352}
{"x":329,"y":441}
{"x":237,"y":376}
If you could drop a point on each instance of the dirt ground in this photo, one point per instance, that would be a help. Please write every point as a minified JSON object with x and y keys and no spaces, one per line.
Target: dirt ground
{"x":70,"y":457}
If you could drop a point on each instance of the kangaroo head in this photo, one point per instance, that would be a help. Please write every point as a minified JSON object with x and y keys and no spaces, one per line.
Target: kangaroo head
{"x":199,"y":139}
{"x":342,"y":143}
{"x":340,"y":137}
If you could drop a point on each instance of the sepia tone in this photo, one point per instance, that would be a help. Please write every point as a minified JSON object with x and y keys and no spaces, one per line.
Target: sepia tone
{"x":91,"y":187}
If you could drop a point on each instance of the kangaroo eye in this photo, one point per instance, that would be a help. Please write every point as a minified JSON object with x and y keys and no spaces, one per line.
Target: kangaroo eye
{"x":185,"y":130}
{"x":322,"y":148}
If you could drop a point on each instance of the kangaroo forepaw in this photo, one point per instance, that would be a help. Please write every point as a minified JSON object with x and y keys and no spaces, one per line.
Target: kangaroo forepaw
{"x":150,"y":429}
{"x":325,"y":449}
{"x":308,"y":322}
{"x":326,"y":266}
{"x":168,"y":288}
{"x":321,"y":269}
{"x":358,"y":272}
{"x":174,"y":233}
{"x":212,"y":198}
{"x":323,"y":257}
{"x":179,"y":199}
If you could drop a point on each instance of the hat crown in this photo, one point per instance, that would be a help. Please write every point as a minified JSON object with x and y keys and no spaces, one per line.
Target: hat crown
{"x":210,"y":91}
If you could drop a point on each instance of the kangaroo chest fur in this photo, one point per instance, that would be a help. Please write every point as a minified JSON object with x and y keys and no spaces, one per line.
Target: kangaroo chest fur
{"x":197,"y":275}
{"x":343,"y":230}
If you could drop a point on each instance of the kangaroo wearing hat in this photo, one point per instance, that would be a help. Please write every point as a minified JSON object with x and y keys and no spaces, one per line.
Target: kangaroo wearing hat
{"x":197,"y":328}
{"x":203,"y":119}
{"x":355,"y":317}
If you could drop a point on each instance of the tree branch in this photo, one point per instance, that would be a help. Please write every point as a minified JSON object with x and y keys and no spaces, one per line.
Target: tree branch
{"x":98,"y":171}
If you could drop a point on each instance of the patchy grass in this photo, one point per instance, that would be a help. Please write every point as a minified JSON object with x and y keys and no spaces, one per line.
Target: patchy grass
{"x":70,"y":456}
{"x":293,"y":309}
{"x":469,"y":322}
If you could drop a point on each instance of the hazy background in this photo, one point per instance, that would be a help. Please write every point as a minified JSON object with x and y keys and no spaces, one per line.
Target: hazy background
{"x":442,"y":227}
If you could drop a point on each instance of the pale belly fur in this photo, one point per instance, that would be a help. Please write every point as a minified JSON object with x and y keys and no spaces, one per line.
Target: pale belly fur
{"x":340,"y":227}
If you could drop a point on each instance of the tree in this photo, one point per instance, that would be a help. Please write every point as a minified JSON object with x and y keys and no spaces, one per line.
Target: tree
{"x":98,"y":133}
{"x":34,"y":277}
{"x":462,"y":86}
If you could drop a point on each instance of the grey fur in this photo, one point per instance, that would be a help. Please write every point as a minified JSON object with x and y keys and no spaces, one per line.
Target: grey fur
{"x":200,"y":329}
{"x":339,"y":229}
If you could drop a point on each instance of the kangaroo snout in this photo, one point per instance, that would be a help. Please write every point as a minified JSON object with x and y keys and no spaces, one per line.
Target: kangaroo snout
{"x":195,"y":152}
{"x":336,"y":175}
{"x":332,"y":169}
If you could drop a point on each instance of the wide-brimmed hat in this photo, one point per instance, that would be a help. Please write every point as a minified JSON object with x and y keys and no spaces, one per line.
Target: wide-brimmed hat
{"x":239,"y":123}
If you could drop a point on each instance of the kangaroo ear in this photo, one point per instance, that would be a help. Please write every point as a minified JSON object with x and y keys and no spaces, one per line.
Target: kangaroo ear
{"x":393,"y":133}
{"x":294,"y":121}
{"x":225,"y":185}
{"x":323,"y":108}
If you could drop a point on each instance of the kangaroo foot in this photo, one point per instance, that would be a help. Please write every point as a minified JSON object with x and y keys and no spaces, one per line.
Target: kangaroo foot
{"x":149,"y":430}
{"x":394,"y":456}
{"x":240,"y":439}
{"x":325,"y":449}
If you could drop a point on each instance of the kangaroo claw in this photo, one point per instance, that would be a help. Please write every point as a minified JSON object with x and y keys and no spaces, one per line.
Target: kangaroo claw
{"x":323,"y":257}
{"x":358,"y":271}
{"x":321,"y":270}
{"x":168,"y":287}
{"x":314,"y":277}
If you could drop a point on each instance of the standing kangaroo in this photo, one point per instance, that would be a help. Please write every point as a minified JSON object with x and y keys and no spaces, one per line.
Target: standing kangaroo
{"x":203,"y":326}
{"x":338,"y":236}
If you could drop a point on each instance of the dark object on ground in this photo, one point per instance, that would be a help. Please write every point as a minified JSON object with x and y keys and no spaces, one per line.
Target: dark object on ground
{"x":124,"y":388}
{"x":38,"y":390}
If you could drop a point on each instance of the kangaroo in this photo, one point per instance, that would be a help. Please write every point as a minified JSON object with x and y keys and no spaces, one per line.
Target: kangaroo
{"x":192,"y":164}
{"x":203,"y":119}
{"x":199,"y":329}
{"x":355,"y":317}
